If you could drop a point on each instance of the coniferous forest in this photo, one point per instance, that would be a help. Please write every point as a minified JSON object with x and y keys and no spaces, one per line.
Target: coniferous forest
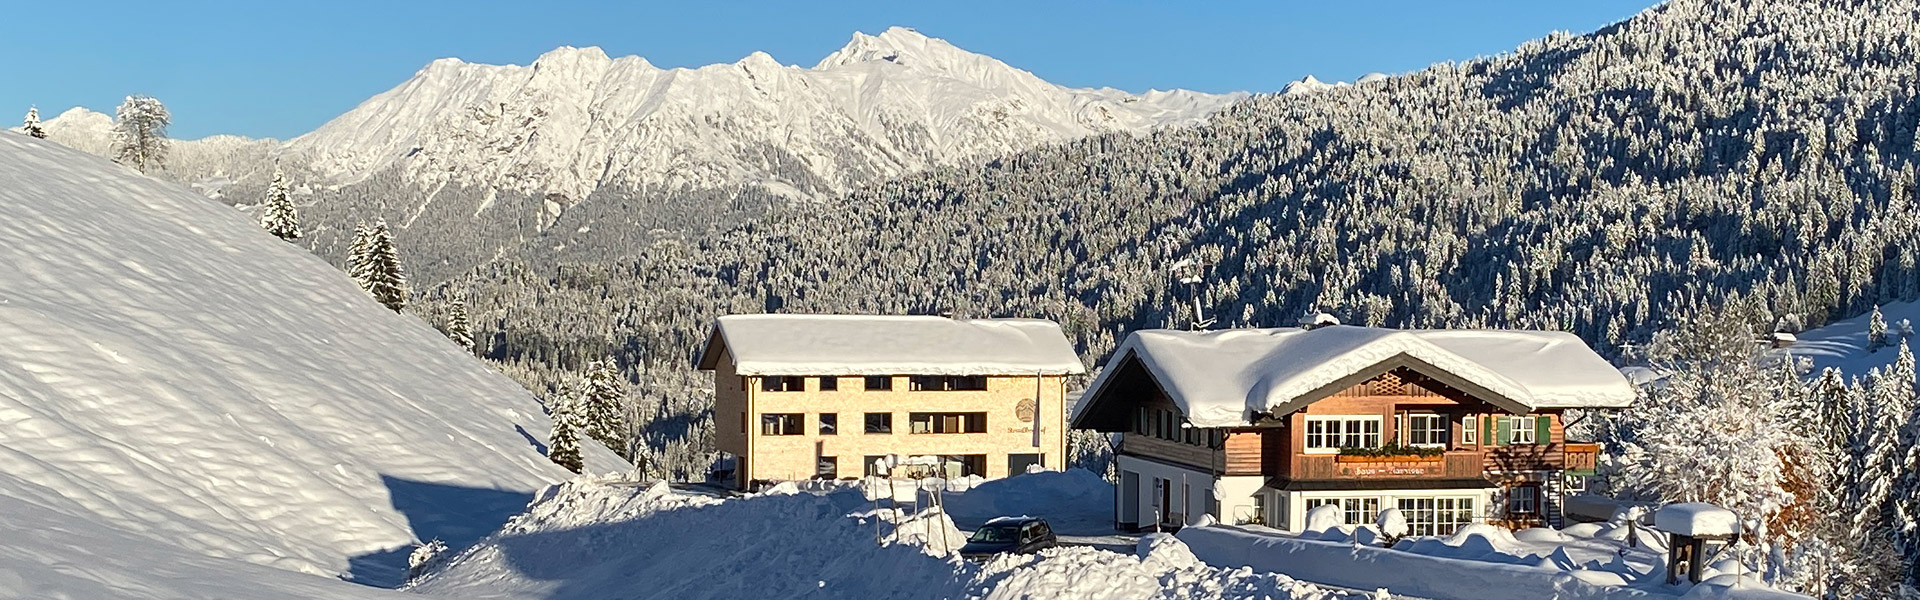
{"x":1753,"y":162}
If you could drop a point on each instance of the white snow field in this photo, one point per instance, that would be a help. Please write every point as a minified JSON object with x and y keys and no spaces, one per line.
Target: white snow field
{"x":185,"y":398}
{"x":602,"y":538}
{"x":1843,"y":344}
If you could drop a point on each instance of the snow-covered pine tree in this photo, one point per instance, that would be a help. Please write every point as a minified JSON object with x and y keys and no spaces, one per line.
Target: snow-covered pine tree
{"x":32,"y":124}
{"x":1716,"y":429}
{"x":276,"y":212}
{"x":357,"y":253}
{"x":1905,"y":503}
{"x":1876,"y":330}
{"x":605,"y":406}
{"x":1876,"y":454}
{"x":563,"y":444}
{"x":378,"y":269}
{"x":458,"y":329}
{"x":140,"y":133}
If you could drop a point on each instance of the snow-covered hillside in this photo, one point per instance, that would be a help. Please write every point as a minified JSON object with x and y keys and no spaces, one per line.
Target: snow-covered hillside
{"x":575,"y":120}
{"x":180,"y":388}
{"x":1843,"y":344}
{"x":208,"y":164}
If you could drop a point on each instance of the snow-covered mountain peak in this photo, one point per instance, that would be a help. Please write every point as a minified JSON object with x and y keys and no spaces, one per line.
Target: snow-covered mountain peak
{"x":758,"y":60}
{"x":576,"y":120}
{"x":571,"y":57}
{"x":906,"y":47}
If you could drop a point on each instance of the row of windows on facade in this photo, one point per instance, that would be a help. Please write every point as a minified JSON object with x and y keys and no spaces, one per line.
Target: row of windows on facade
{"x":1333,"y":432}
{"x":1328,"y":433}
{"x":951,"y":466}
{"x":1433,"y":516}
{"x":876,"y":423}
{"x":875,"y":383}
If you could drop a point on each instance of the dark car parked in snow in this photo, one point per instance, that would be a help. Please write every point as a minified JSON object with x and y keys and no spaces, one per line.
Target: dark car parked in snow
{"x":1009,"y":534}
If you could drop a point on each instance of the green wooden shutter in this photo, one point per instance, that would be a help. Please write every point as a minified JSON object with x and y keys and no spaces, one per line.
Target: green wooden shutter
{"x":1543,"y":430}
{"x":1503,"y":430}
{"x":1486,"y":431}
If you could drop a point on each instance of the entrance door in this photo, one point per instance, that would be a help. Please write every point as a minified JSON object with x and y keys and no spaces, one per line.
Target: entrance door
{"x":1129,"y":499}
{"x":1165,"y":499}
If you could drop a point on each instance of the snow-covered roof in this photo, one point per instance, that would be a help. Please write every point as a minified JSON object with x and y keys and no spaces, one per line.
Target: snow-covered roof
{"x":790,"y":344}
{"x":1697,"y":519}
{"x":1223,"y":378}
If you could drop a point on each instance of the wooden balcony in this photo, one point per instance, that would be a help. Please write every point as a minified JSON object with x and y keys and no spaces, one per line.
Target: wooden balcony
{"x":1582,"y":458}
{"x":1451,"y":465}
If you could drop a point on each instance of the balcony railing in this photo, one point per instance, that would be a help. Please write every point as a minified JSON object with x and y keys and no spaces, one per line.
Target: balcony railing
{"x":1582,"y":458}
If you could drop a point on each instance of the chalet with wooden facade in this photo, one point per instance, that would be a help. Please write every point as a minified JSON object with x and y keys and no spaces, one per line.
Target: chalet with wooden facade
{"x":824,"y":396}
{"x":1262,"y":425}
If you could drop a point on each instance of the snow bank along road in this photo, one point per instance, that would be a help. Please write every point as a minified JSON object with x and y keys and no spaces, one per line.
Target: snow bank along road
{"x":592,"y":539}
{"x":1481,"y":562}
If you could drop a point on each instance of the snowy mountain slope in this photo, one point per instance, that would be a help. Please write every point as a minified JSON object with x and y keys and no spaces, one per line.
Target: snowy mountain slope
{"x":590,"y":539}
{"x":172,"y":374}
{"x":49,"y":554}
{"x":575,"y":120}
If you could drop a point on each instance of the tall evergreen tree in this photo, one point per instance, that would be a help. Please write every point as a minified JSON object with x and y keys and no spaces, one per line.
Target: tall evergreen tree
{"x":1905,"y":503}
{"x":458,"y":329}
{"x":375,"y":264}
{"x":563,"y":444}
{"x":276,"y":212}
{"x":605,"y":405}
{"x":140,"y":133}
{"x":32,"y":125}
{"x":1876,"y":330}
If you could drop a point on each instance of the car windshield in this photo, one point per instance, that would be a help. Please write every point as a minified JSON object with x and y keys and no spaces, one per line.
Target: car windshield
{"x":994,"y":534}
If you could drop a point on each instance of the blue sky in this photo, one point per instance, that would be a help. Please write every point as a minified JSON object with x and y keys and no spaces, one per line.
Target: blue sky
{"x":279,"y":69}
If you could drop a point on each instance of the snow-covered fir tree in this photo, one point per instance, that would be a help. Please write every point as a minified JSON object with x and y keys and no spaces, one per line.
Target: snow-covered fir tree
{"x":605,"y":406}
{"x":1904,"y":505}
{"x":140,"y":133}
{"x":563,"y":443}
{"x":458,"y":329}
{"x":357,"y":253}
{"x":277,"y":214}
{"x":32,"y":124}
{"x":1876,"y":330}
{"x":375,"y":264}
{"x":1715,"y":429}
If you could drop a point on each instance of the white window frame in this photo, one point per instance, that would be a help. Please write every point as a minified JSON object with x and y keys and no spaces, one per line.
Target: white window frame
{"x":1436,"y":515}
{"x":1470,"y":431}
{"x":1354,"y":510}
{"x":1337,"y":435}
{"x":1520,"y":430}
{"x":1434,"y":418}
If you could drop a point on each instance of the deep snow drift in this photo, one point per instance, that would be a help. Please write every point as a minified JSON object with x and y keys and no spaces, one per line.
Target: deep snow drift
{"x":608,"y":539}
{"x":180,"y":389}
